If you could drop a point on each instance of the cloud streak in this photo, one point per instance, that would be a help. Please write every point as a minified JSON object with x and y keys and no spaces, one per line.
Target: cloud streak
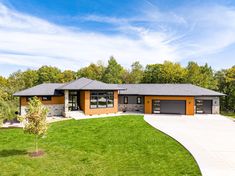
{"x":183,"y":33}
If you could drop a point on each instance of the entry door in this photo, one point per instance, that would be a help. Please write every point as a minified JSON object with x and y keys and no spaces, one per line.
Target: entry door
{"x":73,"y":100}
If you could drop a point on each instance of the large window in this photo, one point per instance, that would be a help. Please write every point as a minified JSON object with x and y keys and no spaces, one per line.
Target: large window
{"x":102,"y":99}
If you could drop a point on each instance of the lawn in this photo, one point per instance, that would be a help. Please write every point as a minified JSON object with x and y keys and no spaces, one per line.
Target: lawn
{"x":124,"y":145}
{"x":229,"y":114}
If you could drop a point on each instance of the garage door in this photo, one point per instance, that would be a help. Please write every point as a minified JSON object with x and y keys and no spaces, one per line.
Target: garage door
{"x":204,"y":106}
{"x":169,"y":106}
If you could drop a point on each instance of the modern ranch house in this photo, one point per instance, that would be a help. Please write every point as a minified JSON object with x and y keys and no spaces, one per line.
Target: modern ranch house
{"x":90,"y":97}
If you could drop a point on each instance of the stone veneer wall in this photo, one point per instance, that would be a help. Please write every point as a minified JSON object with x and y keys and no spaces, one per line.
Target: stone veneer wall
{"x":54,"y":110}
{"x":215,"y":104}
{"x":131,"y":107}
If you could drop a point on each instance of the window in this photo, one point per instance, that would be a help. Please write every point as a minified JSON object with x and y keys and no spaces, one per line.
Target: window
{"x":46,"y":98}
{"x":138,"y":100}
{"x":125,"y":100}
{"x":101,"y":99}
{"x":28,"y":98}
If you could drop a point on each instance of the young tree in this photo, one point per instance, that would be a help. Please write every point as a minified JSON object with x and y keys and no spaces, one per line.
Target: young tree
{"x":35,"y":120}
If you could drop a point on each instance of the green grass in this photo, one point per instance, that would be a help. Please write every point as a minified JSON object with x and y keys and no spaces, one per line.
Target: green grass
{"x":111,"y":146}
{"x":230,"y":114}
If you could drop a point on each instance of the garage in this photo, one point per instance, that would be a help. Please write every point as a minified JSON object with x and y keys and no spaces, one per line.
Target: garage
{"x":169,"y":107}
{"x":203,"y":106}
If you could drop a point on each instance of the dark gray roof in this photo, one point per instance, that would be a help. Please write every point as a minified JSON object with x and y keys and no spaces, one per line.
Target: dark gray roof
{"x":126,"y":89}
{"x":88,"y":84}
{"x":167,"y":89}
{"x":39,"y":90}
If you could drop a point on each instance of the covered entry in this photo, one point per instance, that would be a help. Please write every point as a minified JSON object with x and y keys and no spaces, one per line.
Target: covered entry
{"x":169,"y":106}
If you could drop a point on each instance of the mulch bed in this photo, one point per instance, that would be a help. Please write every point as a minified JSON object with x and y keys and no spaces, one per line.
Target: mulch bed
{"x":36,"y":154}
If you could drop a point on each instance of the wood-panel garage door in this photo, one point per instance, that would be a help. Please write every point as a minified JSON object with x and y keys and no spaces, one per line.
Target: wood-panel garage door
{"x":169,"y":106}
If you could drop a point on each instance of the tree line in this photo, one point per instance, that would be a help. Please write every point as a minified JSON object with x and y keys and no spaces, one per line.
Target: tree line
{"x":167,"y":72}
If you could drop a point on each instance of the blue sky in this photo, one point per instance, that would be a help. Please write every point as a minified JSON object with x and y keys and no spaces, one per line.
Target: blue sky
{"x":71,"y":34}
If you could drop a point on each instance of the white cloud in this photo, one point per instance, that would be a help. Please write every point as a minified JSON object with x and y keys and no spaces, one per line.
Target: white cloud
{"x":29,"y":41}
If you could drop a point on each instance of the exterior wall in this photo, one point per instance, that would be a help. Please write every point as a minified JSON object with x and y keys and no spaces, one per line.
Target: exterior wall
{"x":54,"y":100}
{"x":55,"y":105}
{"x":132,"y":105}
{"x":215,"y":104}
{"x":54,"y":110}
{"x":189,"y":103}
{"x":132,"y":99}
{"x":85,"y":104}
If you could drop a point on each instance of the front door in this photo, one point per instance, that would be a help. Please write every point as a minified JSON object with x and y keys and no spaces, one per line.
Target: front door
{"x":73,"y":100}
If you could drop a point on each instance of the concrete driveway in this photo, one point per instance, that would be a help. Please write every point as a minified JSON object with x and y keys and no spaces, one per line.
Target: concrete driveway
{"x":209,"y":138}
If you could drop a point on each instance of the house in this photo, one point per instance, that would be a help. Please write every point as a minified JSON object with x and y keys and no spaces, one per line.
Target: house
{"x":89,"y":97}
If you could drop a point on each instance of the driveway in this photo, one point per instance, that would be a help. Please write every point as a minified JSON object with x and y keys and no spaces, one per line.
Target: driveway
{"x":209,"y":138}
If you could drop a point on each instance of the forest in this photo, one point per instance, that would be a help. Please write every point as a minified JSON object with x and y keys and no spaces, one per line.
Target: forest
{"x":168,"y":72}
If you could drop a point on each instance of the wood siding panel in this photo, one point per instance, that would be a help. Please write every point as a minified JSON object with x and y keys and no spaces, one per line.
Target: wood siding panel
{"x":82,"y":100}
{"x":54,"y":100}
{"x":189,"y":103}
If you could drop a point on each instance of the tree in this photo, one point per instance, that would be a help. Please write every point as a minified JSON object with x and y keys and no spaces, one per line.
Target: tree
{"x":113,"y":73}
{"x":93,"y":71}
{"x":201,"y":75}
{"x":136,"y":74}
{"x":7,"y":111}
{"x":226,"y":84}
{"x":35,"y":120}
{"x":167,"y":72}
{"x":67,"y":76}
{"x":48,"y":74}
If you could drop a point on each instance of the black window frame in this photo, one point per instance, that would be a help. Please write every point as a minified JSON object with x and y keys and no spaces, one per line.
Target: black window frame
{"x":125,"y":99}
{"x":140,"y":100}
{"x":95,"y":95}
{"x":48,"y":98}
{"x":28,"y":98}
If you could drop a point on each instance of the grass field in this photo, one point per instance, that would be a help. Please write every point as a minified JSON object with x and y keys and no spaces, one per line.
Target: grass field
{"x":229,"y":114}
{"x":111,"y":146}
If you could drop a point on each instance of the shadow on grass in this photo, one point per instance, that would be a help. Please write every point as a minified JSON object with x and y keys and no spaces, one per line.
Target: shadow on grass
{"x":12,"y":152}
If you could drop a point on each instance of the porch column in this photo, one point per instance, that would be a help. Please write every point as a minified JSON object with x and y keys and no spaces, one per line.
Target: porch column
{"x":66,"y":102}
